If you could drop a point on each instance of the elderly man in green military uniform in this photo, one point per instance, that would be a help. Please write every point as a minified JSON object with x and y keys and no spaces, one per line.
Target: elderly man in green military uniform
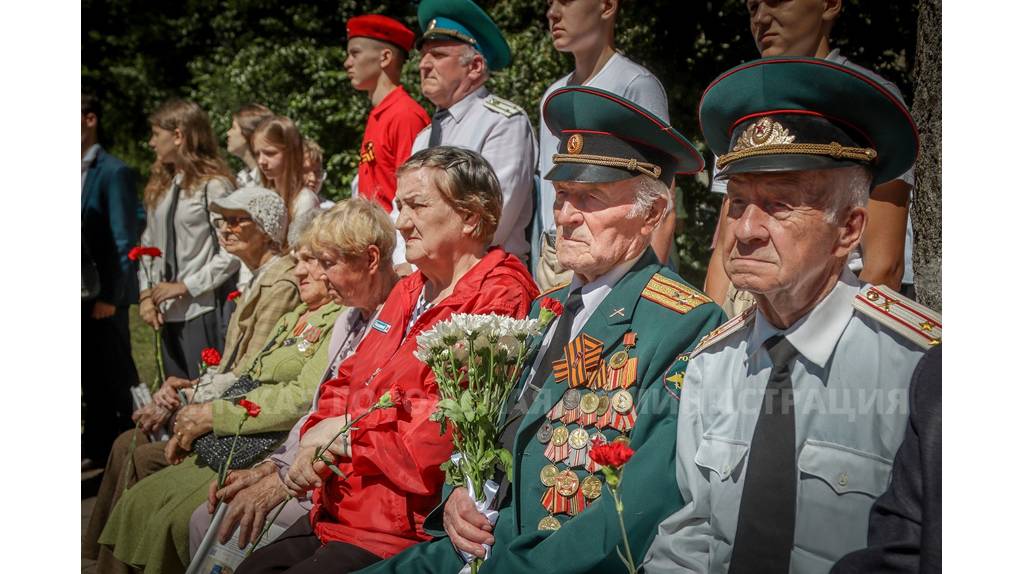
{"x":598,"y":373}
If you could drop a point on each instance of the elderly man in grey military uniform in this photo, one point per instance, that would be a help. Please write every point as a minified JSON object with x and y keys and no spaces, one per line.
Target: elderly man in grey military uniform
{"x":460,"y":46}
{"x":791,"y":414}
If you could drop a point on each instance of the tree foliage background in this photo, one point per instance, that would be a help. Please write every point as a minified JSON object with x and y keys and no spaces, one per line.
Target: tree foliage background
{"x":288,"y":55}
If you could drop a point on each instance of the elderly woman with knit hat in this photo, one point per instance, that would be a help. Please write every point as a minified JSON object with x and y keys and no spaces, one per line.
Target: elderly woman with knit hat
{"x":251,"y":224}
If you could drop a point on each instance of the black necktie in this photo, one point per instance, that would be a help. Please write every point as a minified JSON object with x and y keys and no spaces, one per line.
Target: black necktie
{"x":171,"y":238}
{"x":435,"y":128}
{"x":559,"y":340}
{"x":767,"y":516}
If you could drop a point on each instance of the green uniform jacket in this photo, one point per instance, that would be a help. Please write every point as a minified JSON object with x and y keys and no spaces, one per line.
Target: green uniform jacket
{"x":290,"y":376}
{"x":669,"y":318}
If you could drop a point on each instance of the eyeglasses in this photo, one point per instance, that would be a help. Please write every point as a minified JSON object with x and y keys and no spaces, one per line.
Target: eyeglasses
{"x":231,"y":222}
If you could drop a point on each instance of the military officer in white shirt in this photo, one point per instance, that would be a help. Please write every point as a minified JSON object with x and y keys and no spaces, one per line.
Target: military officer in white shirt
{"x":460,"y":46}
{"x":791,"y":414}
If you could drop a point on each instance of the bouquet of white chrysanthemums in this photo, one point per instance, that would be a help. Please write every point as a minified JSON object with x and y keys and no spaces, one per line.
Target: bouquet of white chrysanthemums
{"x":476,"y":360}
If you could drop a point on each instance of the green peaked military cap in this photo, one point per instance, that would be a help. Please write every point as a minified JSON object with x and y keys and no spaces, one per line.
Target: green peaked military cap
{"x":464,"y":21}
{"x":603,"y":137}
{"x":793,"y":114}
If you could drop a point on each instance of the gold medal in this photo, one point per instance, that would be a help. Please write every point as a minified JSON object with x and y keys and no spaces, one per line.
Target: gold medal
{"x":591,"y":487}
{"x":579,"y":438}
{"x":618,"y":359}
{"x":549,"y":523}
{"x":567,"y":483}
{"x":622,"y":438}
{"x":589,"y":403}
{"x":559,"y":436}
{"x":548,"y":474}
{"x":602,"y":405}
{"x":622,"y":401}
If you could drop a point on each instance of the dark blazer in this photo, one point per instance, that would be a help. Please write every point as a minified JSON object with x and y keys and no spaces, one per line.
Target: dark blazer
{"x":905,"y":528}
{"x":109,"y":227}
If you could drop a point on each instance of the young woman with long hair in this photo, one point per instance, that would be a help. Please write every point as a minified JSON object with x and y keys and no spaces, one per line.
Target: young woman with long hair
{"x":239,"y":140}
{"x":187,"y":175}
{"x":278,"y":148}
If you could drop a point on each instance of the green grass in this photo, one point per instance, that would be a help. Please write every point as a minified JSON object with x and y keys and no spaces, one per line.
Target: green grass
{"x":142,"y":347}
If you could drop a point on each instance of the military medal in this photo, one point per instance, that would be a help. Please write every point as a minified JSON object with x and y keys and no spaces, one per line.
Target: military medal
{"x":588,"y":406}
{"x":623,"y":377}
{"x":618,"y":359}
{"x":596,"y":439}
{"x":624,"y":416}
{"x":544,"y":432}
{"x":558,"y":447}
{"x":570,"y":406}
{"x":604,"y":412}
{"x":599,"y":378}
{"x":579,"y":447}
{"x":549,"y":523}
{"x":591,"y":487}
{"x":582,"y":356}
{"x":547,"y":474}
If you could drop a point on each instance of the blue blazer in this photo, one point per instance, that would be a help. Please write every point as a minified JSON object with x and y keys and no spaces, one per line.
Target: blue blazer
{"x":109,"y":227}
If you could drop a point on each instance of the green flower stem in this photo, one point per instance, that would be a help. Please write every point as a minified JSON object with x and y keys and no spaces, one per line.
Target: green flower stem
{"x":344,"y":429}
{"x":231,"y":453}
{"x":266,"y":527}
{"x":159,"y":362}
{"x":619,"y":509}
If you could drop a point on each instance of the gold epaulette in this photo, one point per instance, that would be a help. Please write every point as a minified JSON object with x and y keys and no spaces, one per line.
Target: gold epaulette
{"x":503,"y":106}
{"x":905,"y":316}
{"x":672,"y":294}
{"x":724,"y":330}
{"x":552,"y":290}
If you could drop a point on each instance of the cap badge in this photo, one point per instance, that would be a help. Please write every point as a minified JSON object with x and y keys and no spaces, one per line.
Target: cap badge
{"x":764,"y":131}
{"x":433,"y":24}
{"x":575,"y":144}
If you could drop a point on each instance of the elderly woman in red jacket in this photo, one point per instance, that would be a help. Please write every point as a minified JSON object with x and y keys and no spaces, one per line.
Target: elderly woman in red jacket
{"x":449,"y":203}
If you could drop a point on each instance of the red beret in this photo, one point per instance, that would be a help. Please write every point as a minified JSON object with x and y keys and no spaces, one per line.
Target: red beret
{"x":381,"y":28}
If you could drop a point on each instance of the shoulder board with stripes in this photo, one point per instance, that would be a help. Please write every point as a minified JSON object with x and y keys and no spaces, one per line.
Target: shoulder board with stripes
{"x":502,"y":106}
{"x":905,"y":316}
{"x":724,"y":330}
{"x":552,"y":290}
{"x":672,"y":294}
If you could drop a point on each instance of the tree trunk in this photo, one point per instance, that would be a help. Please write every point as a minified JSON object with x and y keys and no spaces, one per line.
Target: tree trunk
{"x":926,"y":212}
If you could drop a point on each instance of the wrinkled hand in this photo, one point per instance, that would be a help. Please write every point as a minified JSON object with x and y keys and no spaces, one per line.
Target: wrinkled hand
{"x":236,"y":481}
{"x":167,"y":291}
{"x":167,"y":395}
{"x":248,"y":511}
{"x":305,"y":475}
{"x":150,"y":314}
{"x":173,"y":451}
{"x":193,"y":422}
{"x":322,"y":432}
{"x":151,"y":417}
{"x":466,"y":526}
{"x":101,"y":310}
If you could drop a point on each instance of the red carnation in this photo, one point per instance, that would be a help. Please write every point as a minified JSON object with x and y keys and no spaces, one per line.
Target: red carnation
{"x":552,"y":305}
{"x":210,"y":357}
{"x":234,"y":295}
{"x":137,"y":252}
{"x":397,"y":397}
{"x":251,"y":408}
{"x":613,"y":454}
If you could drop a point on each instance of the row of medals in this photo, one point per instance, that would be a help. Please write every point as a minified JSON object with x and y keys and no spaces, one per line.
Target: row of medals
{"x":605,"y":402}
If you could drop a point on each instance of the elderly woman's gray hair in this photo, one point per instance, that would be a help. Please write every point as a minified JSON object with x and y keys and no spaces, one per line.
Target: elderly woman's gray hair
{"x":350,"y":228}
{"x":465,"y":181}
{"x":264,"y":206}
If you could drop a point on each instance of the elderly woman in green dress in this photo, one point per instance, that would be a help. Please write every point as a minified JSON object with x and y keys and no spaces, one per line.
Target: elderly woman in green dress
{"x":152,"y":516}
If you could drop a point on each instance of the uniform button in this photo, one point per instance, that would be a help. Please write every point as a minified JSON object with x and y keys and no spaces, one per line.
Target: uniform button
{"x":844,"y":479}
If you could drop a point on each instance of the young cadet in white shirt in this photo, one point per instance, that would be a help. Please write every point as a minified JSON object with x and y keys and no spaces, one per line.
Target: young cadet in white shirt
{"x":586,"y":29}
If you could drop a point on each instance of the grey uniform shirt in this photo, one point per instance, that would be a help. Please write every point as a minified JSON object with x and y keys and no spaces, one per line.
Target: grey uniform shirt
{"x":620,"y":76}
{"x":199,"y":268}
{"x":501,"y":132}
{"x":850,"y":385}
